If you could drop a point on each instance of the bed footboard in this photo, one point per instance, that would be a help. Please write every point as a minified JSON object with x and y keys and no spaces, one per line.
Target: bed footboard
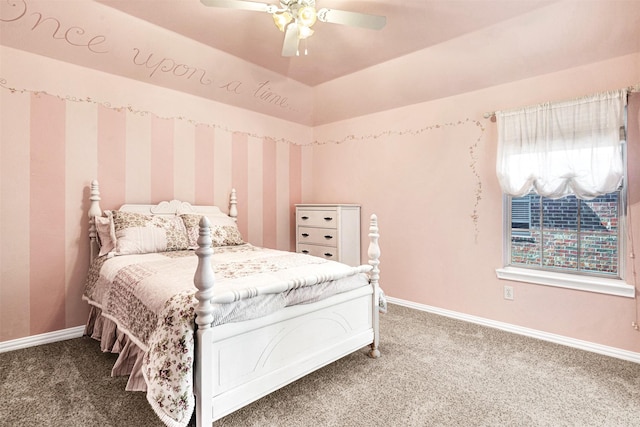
{"x":351,"y":320}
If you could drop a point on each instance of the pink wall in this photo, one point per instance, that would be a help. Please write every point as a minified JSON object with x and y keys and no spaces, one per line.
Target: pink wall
{"x":53,"y":144}
{"x":428,"y":172}
{"x":403,"y":164}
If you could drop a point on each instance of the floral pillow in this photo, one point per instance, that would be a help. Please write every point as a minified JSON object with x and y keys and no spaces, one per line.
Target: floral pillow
{"x":137,"y":233}
{"x":224,"y":231}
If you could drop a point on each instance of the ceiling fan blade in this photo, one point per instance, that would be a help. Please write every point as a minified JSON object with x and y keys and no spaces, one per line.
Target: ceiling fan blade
{"x":240,"y":4}
{"x":354,"y":19}
{"x":291,"y":40}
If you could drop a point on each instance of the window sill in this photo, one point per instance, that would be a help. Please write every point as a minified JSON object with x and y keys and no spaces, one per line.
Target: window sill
{"x":570,"y":281}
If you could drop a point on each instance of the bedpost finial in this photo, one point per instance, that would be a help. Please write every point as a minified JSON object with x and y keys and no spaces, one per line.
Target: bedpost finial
{"x":94,"y":192}
{"x":374,"y":249}
{"x":233,"y":205}
{"x":94,"y":197}
{"x":94,"y":211}
{"x":373,"y":229}
{"x":204,"y":236}
{"x":204,"y":222}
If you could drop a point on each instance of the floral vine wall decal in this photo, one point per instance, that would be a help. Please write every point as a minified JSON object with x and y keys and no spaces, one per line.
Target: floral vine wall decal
{"x":405,"y":132}
{"x":143,"y":113}
{"x":473,"y":153}
{"x":473,"y":149}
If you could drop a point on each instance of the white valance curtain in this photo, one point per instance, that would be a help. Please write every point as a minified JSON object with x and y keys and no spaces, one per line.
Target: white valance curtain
{"x":557,"y":149}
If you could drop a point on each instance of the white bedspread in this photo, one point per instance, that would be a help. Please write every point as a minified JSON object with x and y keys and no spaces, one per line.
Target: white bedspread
{"x":150,"y":297}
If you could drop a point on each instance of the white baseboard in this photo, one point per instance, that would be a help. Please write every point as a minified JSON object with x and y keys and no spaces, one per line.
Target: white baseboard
{"x":534,"y":333}
{"x":33,"y":340}
{"x":618,"y":353}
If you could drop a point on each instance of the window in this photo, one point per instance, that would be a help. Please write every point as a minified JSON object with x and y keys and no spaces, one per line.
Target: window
{"x":567,"y":235}
{"x":561,"y":167}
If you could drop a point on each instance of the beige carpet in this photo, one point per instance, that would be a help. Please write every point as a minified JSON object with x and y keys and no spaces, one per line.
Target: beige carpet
{"x":434,"y":371}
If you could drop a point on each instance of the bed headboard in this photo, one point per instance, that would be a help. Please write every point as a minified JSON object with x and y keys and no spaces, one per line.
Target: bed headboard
{"x":173,"y":207}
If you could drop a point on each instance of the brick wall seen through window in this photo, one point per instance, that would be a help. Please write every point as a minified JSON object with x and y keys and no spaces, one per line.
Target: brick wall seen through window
{"x":566,"y":234}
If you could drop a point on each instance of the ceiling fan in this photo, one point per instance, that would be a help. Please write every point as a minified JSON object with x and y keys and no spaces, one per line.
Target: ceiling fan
{"x":296,"y":17}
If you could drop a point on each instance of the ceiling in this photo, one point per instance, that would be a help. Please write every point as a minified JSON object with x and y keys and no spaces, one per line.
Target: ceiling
{"x":334,"y":50}
{"x":429,"y":49}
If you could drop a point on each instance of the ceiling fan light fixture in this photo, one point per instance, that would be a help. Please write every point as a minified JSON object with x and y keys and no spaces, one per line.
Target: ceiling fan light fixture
{"x":304,"y":32}
{"x":296,"y":17}
{"x":282,"y":19}
{"x":307,"y":16}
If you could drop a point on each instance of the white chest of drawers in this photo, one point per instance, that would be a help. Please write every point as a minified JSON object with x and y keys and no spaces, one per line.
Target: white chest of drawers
{"x":329,"y":231}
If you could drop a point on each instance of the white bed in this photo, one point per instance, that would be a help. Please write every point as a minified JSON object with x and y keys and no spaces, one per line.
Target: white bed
{"x":236,"y":363}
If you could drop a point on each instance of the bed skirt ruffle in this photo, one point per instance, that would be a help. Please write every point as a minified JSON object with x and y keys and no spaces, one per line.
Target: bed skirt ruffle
{"x":130,"y":356}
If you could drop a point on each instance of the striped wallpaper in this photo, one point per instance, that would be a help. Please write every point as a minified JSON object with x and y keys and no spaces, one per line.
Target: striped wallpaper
{"x":50,"y":150}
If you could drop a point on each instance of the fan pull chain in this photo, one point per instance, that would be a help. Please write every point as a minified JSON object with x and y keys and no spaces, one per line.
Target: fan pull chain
{"x":306,"y":51}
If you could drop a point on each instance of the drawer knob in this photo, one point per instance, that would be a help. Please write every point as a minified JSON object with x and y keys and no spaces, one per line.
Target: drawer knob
{"x":328,"y":218}
{"x":304,"y":218}
{"x":305,"y":234}
{"x":304,"y":251}
{"x":328,"y":237}
{"x":328,"y":254}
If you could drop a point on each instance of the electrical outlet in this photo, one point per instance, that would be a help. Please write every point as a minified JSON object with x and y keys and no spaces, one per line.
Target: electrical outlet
{"x":508,"y":292}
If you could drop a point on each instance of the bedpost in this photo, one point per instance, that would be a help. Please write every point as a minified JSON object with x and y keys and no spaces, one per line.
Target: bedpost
{"x":203,"y":373}
{"x":374,"y":261}
{"x":233,"y":205}
{"x":94,"y":211}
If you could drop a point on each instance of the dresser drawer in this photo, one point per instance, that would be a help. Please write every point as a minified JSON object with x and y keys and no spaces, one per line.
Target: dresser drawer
{"x":330,"y":231}
{"x":317,"y":218}
{"x":320,"y":236}
{"x":319,"y":251}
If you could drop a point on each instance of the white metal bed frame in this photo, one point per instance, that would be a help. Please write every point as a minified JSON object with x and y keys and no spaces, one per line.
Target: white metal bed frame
{"x":238,"y":363}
